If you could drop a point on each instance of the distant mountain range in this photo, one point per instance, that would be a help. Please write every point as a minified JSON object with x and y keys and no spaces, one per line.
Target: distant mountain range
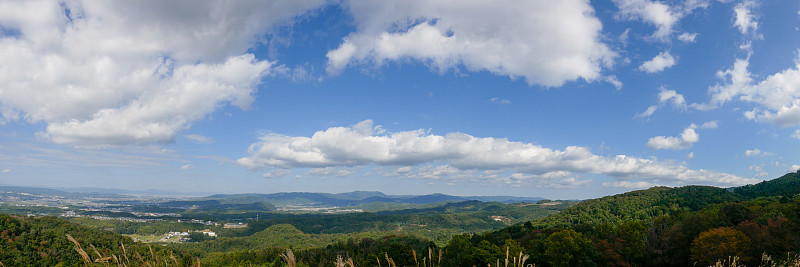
{"x":355,"y":198}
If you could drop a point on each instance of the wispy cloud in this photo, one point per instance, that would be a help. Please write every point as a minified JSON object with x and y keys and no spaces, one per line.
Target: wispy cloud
{"x":710,"y":125}
{"x":500,"y":101}
{"x":276,"y":173}
{"x":756,"y":152}
{"x":648,"y":112}
{"x":687,"y":37}
{"x":200,"y":139}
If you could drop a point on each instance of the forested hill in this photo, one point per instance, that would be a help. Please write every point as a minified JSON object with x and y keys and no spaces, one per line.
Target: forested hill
{"x":660,"y":226}
{"x":28,"y":241}
{"x":641,"y":205}
{"x":786,"y":186}
{"x":645,"y":205}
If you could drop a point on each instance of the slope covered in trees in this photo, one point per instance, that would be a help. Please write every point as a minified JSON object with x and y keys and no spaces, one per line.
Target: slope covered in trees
{"x":758,"y":225}
{"x":43,"y":242}
{"x":664,"y":227}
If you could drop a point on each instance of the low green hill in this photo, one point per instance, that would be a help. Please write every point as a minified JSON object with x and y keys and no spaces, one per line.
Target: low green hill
{"x":786,"y":186}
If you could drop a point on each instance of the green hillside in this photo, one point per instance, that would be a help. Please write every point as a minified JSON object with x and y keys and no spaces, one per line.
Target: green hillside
{"x":755,"y":225}
{"x":43,"y":242}
{"x":690,"y":225}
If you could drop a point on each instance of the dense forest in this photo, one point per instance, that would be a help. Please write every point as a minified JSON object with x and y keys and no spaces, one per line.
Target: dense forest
{"x":755,"y":225}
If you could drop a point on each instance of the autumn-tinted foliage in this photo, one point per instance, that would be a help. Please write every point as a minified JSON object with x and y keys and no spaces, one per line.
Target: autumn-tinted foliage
{"x":720,"y":243}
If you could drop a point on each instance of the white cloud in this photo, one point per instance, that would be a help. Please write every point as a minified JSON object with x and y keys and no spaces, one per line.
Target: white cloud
{"x":777,"y":97}
{"x":647,"y":113}
{"x":6,"y":171}
{"x":500,"y":101}
{"x":556,"y":179}
{"x":753,"y":152}
{"x":670,"y":96}
{"x":614,"y":81}
{"x":656,"y":13}
{"x":710,"y":125}
{"x":115,"y":73}
{"x":331,"y":171}
{"x":664,"y":96}
{"x":744,"y":20}
{"x":628,"y":185}
{"x":187,"y":167}
{"x":796,"y":134}
{"x":794,"y":168}
{"x":276,"y":173}
{"x":200,"y":139}
{"x":690,"y":155}
{"x":687,"y":37}
{"x":757,"y":168}
{"x":458,"y":154}
{"x":546,"y":42}
{"x":685,"y":141}
{"x":660,"y":62}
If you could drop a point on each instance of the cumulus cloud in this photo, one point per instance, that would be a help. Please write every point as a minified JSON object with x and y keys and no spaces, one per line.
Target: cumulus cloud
{"x":796,"y":134}
{"x":744,"y":19}
{"x":685,"y":141}
{"x":116,"y":73}
{"x":429,"y":155}
{"x":545,"y":42}
{"x":671,"y":96}
{"x":661,"y":14}
{"x":777,"y":97}
{"x":794,"y":168}
{"x":660,"y":62}
{"x":656,"y":13}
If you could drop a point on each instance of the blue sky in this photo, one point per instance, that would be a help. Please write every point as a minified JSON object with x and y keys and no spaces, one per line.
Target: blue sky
{"x":564,"y":99}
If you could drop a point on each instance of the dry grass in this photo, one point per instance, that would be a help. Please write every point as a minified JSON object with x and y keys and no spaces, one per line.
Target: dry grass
{"x":766,"y":261}
{"x":288,"y":256}
{"x":427,"y":261}
{"x":123,"y":260}
{"x":389,"y":261}
{"x":791,"y":261}
{"x":340,"y":262}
